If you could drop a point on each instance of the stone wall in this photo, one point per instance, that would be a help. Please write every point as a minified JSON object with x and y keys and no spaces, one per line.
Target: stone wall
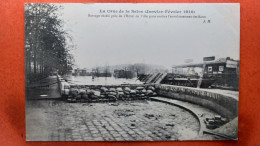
{"x":224,"y":105}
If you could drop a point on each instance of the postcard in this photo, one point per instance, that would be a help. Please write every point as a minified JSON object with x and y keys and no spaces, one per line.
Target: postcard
{"x":132,"y":72}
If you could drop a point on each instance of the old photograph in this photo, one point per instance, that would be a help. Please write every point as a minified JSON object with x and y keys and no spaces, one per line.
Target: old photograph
{"x":131,"y":72}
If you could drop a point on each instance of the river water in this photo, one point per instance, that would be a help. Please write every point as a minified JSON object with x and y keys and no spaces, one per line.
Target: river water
{"x":87,"y":80}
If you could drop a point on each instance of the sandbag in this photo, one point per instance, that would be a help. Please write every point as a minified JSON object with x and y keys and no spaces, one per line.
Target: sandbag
{"x":138,"y":91}
{"x":111,"y":93}
{"x":151,"y":88}
{"x":127,"y":89}
{"x":97,"y":93}
{"x":112,"y":90}
{"x":144,"y":91}
{"x":140,"y":88}
{"x":82,"y":91}
{"x":132,"y":92}
{"x":90,"y":92}
{"x":103,"y":89}
{"x":111,"y":96}
{"x":73,"y":92}
{"x":84,"y":96}
{"x":127,"y":92}
{"x":149,"y":92}
{"x":119,"y":89}
{"x":120,"y":93}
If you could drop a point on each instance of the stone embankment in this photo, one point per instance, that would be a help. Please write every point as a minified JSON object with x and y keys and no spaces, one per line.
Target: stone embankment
{"x":225,"y":105}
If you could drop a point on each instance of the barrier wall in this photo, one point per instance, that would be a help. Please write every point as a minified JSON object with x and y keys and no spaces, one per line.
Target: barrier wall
{"x":65,"y":87}
{"x":224,"y":105}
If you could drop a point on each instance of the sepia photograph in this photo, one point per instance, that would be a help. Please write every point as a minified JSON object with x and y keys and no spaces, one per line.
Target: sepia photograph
{"x":131,"y":72}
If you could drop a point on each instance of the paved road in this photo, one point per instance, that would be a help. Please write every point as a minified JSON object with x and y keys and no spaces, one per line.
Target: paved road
{"x":36,"y":112}
{"x":50,"y":119}
{"x":135,"y":120}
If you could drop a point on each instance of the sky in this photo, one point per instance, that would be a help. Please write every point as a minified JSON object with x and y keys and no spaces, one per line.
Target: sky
{"x":160,"y":41}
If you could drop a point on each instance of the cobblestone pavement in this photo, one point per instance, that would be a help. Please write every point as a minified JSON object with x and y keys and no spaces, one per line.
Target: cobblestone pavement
{"x":130,"y":121}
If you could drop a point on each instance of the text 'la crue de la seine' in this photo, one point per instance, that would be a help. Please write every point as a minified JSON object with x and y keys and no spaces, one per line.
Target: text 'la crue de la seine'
{"x":147,"y":11}
{"x":112,"y":13}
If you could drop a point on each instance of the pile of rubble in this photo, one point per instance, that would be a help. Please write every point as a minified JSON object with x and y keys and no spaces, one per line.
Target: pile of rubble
{"x":85,"y":94}
{"x":215,"y":122}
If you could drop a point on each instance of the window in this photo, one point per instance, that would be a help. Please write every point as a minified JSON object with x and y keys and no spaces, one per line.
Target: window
{"x":210,"y":68}
{"x":221,"y":68}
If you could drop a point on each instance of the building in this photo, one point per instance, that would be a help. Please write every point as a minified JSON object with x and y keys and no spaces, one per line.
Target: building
{"x":225,"y":70}
{"x":123,"y":73}
{"x":81,"y":72}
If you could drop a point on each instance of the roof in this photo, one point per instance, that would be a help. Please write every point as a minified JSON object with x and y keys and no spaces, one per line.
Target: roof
{"x":219,"y":61}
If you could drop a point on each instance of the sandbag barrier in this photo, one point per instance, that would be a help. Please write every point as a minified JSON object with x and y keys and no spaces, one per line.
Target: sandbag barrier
{"x":84,"y":93}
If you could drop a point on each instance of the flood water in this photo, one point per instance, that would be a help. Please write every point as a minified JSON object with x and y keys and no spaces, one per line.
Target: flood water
{"x":87,"y":80}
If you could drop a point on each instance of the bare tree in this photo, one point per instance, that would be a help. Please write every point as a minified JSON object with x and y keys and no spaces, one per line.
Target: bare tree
{"x":46,"y":43}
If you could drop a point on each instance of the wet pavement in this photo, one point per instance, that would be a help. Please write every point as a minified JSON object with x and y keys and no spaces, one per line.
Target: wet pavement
{"x":133,"y":121}
{"x":48,"y":118}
